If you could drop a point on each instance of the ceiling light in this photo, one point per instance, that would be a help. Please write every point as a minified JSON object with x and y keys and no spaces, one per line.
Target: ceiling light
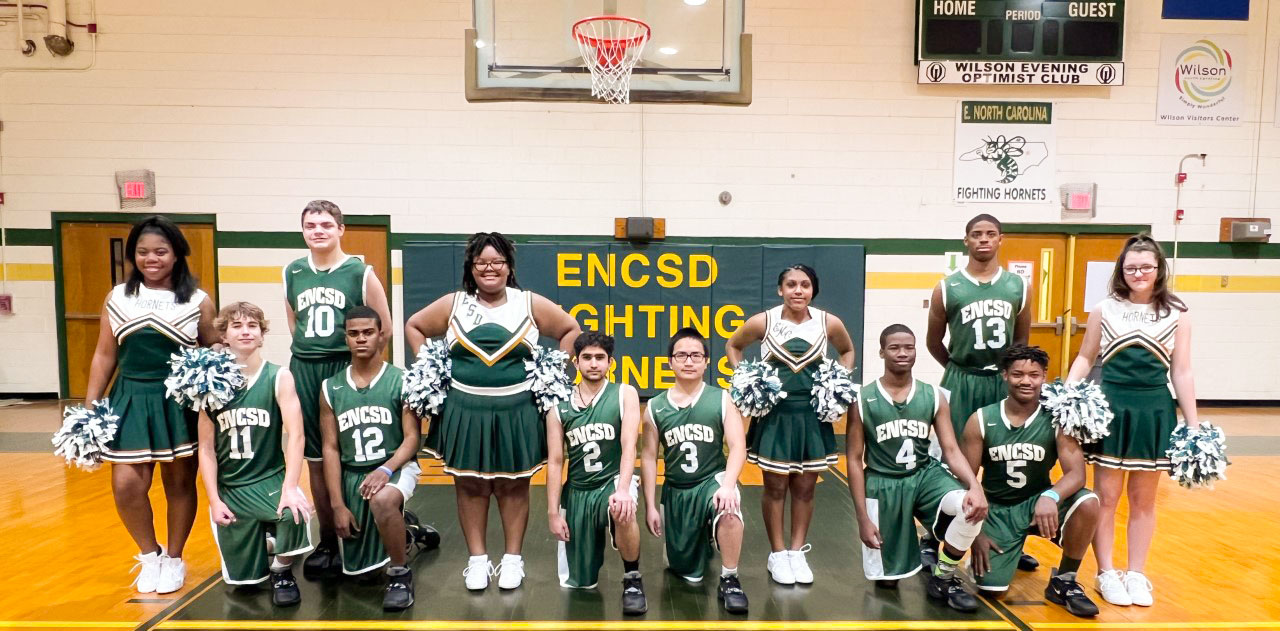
{"x":480,"y":43}
{"x":667,"y":50}
{"x":695,"y":3}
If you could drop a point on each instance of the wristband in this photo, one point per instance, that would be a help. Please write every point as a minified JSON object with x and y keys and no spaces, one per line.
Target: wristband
{"x":386,"y":470}
{"x":1053,"y":495}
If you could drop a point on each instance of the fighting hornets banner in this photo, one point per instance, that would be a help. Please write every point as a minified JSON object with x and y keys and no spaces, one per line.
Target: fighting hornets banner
{"x":1004,"y":153}
{"x":642,"y":293}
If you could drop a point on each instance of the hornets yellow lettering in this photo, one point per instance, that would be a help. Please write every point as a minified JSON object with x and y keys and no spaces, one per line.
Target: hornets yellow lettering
{"x":322,"y":296}
{"x":689,"y":433}
{"x":902,"y":428}
{"x":590,"y":432}
{"x":986,"y":309}
{"x":1016,"y":451}
{"x":364,"y":415}
{"x":241,"y":417}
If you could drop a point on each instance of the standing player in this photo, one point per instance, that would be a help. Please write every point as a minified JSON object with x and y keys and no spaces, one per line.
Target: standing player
{"x":370,"y":440}
{"x":599,"y":423}
{"x":790,"y":443}
{"x":701,"y":503}
{"x":245,"y":461}
{"x":1017,"y":445}
{"x":982,"y":310}
{"x":319,"y":289}
{"x":889,"y":431}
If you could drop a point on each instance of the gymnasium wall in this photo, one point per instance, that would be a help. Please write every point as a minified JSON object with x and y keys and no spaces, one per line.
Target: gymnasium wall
{"x":249,"y":109}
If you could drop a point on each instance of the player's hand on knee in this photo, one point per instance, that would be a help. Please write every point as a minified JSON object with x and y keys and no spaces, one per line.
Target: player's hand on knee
{"x":559,"y":527}
{"x":296,"y":501}
{"x":622,"y":507}
{"x":975,"y":505}
{"x":344,"y":523}
{"x":869,"y":534}
{"x":726,"y":500}
{"x":980,"y":553}
{"x":222,"y":515}
{"x":373,"y":483}
{"x":1046,"y":518}
{"x":653,"y":519}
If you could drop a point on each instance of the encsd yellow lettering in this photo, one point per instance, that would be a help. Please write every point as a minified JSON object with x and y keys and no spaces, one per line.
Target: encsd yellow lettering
{"x":563,"y":269}
{"x":626,"y":270}
{"x":651,"y":318}
{"x":612,"y":320}
{"x":725,"y":371}
{"x":637,"y":376}
{"x":587,"y":323}
{"x":663,"y":375}
{"x":597,"y":266}
{"x":721,"y":329}
{"x":690,"y":318}
{"x":712,"y":270}
{"x":667,"y":264}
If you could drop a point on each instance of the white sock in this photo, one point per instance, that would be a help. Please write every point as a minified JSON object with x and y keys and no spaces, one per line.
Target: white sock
{"x":280,"y":564}
{"x":511,"y":557}
{"x":728,"y":571}
{"x":477,"y":557}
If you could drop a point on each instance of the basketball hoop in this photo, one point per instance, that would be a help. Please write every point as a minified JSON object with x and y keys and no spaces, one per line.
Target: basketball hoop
{"x":611,"y":46}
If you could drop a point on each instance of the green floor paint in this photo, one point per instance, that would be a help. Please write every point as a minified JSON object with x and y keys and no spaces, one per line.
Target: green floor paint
{"x":839,"y":592}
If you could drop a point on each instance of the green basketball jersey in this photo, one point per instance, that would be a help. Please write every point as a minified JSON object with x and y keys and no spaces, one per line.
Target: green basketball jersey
{"x":692,"y":436}
{"x":1016,"y":461}
{"x":320,"y":300}
{"x":592,"y":437}
{"x":369,"y":421}
{"x":981,"y":317}
{"x":897,"y":434}
{"x":247,"y":432}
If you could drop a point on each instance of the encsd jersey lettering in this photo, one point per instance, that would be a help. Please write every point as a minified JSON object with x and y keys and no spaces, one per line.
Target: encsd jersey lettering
{"x":692,"y":435}
{"x":248,"y":431}
{"x":896,"y":435}
{"x":370,"y":428}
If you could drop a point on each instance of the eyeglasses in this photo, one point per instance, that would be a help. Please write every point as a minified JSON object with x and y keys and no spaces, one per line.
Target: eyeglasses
{"x":482,"y":265}
{"x":689,"y":357}
{"x":1135,"y":271}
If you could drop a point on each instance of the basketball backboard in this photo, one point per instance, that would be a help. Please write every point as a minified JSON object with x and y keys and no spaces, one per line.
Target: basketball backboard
{"x":523,"y":50}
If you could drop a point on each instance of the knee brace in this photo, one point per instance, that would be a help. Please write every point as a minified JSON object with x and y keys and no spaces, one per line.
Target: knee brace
{"x":960,"y":532}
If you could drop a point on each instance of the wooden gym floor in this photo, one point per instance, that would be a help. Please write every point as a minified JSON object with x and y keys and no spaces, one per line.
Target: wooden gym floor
{"x":66,"y":564}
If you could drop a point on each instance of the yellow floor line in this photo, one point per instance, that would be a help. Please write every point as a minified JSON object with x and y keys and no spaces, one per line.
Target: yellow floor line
{"x":64,"y":624}
{"x":601,"y":625}
{"x":1154,"y":625}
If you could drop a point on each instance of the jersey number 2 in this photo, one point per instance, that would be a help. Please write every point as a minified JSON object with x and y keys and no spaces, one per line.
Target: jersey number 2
{"x":997,"y":333}
{"x":591,"y":461}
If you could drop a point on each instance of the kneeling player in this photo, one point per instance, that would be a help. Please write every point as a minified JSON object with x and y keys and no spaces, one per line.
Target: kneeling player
{"x":1017,"y":445}
{"x":701,"y":503}
{"x":244,"y":466}
{"x":902,"y":482}
{"x":599,"y":425}
{"x":362,"y":416}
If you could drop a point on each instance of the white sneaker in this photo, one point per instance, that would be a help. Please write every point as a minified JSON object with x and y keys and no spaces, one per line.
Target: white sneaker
{"x":150,"y":573}
{"x":780,"y":568}
{"x":800,"y":567}
{"x":1139,"y":588}
{"x":173,"y":574}
{"x":1111,"y":586}
{"x":510,"y":571}
{"x":476,"y":576}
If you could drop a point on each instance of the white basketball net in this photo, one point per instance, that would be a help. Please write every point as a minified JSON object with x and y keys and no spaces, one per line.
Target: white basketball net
{"x":611,"y":47}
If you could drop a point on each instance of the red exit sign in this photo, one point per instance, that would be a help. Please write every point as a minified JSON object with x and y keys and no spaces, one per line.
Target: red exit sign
{"x":135,"y":190}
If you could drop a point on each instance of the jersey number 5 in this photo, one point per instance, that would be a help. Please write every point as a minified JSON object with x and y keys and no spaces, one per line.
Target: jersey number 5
{"x":1017,"y":479}
{"x":997,"y":327}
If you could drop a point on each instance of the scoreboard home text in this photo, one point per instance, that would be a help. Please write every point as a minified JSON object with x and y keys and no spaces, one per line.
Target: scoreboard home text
{"x":1020,"y":42}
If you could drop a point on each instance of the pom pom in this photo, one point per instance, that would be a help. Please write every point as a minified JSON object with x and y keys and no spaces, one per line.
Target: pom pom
{"x":755,"y":388}
{"x":203,"y":379}
{"x":551,"y":384}
{"x":426,"y":382}
{"x":833,"y":391}
{"x":1079,"y":409}
{"x":1198,"y":456}
{"x":85,"y":433}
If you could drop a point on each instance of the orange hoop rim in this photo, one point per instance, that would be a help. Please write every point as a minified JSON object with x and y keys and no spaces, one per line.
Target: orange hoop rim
{"x":609,"y":42}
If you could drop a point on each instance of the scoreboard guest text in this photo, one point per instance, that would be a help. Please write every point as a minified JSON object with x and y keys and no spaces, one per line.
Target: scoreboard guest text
{"x":1020,"y":42}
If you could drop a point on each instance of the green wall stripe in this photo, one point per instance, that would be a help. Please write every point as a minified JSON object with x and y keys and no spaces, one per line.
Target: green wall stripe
{"x":28,"y":236}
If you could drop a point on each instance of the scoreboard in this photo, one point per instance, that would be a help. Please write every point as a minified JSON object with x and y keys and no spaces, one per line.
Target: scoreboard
{"x":1020,"y":42}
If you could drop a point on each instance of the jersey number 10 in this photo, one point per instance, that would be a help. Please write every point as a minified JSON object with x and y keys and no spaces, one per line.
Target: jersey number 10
{"x":320,"y":321}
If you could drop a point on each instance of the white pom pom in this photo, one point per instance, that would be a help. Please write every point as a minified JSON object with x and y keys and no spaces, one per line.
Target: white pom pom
{"x":551,"y":384}
{"x":85,"y":433}
{"x":1198,"y":456}
{"x":426,"y":382}
{"x":1079,"y":409}
{"x":755,"y":388}
{"x":203,"y":379}
{"x":833,"y":391}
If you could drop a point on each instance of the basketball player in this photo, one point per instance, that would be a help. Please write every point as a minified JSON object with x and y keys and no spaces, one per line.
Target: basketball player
{"x":598,"y":427}
{"x":889,"y":431}
{"x":1016,"y":444}
{"x":982,"y":310}
{"x":251,"y":480}
{"x":319,"y":289}
{"x":370,"y":442}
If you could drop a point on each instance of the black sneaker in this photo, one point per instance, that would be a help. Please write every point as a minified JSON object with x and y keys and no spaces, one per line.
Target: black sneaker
{"x":735,"y":600}
{"x":322,"y":563}
{"x":399,"y":594}
{"x":634,"y":602}
{"x":1028,"y":563}
{"x":1070,"y":595}
{"x":284,"y":589}
{"x":929,"y":552}
{"x":887,"y":583}
{"x":950,"y":590}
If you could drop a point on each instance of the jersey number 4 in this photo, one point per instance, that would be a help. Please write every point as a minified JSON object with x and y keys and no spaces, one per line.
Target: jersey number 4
{"x":906,"y":455}
{"x":995,"y":340}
